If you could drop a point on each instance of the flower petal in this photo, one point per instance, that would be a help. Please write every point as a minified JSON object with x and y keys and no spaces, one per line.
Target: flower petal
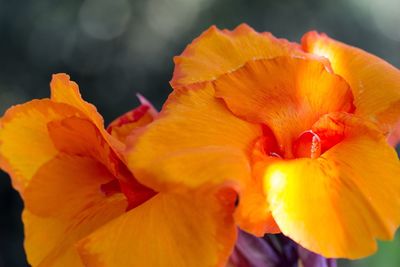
{"x":64,"y":204}
{"x":253,"y":214}
{"x":195,"y":141}
{"x":167,"y":230}
{"x":78,"y":136}
{"x":216,"y":52}
{"x":67,"y":185}
{"x":42,"y":238}
{"x":374,"y":82}
{"x":287,"y":94}
{"x":25,"y":144}
{"x":338,"y":204}
{"x":64,"y":90}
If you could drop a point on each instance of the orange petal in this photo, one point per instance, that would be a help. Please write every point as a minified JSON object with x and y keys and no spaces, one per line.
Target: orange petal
{"x":64,"y":204}
{"x":194,"y":136}
{"x":64,"y":90}
{"x":374,"y":82}
{"x":167,"y":230}
{"x":66,"y":185}
{"x":25,"y":144}
{"x":287,"y":94}
{"x":78,"y":136}
{"x":216,"y":52}
{"x":253,"y":214}
{"x":42,"y":238}
{"x":338,"y":204}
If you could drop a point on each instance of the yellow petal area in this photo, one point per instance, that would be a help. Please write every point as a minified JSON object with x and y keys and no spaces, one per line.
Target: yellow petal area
{"x":338,"y":204}
{"x":374,"y":82}
{"x":64,"y":90}
{"x":24,"y":141}
{"x":64,"y":204}
{"x":216,"y":52}
{"x":195,"y":141}
{"x":287,"y":94}
{"x":166,"y":231}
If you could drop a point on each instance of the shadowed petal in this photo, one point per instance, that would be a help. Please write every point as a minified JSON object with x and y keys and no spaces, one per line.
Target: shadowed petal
{"x":64,"y":204}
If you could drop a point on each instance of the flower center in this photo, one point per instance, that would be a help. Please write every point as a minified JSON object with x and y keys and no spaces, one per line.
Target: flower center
{"x":135,"y":193}
{"x":309,"y":144}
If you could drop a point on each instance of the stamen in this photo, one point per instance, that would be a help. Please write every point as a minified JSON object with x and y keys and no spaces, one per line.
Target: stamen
{"x":307,"y":145}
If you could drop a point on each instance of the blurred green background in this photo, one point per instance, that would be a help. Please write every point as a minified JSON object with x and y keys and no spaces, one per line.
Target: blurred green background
{"x":115,"y":48}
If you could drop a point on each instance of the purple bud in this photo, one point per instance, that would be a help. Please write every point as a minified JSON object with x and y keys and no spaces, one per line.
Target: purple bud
{"x":273,"y":251}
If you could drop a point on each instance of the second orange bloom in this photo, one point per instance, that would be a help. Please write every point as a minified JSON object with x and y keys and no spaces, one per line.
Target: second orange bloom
{"x":298,"y":131}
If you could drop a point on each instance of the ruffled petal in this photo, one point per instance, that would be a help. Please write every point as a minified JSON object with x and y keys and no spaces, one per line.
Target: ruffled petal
{"x":216,"y":52}
{"x":167,"y":230}
{"x":195,"y":141}
{"x":64,"y":90}
{"x":338,"y":204}
{"x":64,"y":203}
{"x":374,"y":82}
{"x":25,"y":144}
{"x":287,"y":94}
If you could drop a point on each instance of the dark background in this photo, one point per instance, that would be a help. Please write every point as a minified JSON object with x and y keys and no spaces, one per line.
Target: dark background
{"x":115,"y":48}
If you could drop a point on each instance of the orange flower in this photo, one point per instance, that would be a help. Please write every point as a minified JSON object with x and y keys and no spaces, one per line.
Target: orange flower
{"x":83,"y":207}
{"x":298,"y":131}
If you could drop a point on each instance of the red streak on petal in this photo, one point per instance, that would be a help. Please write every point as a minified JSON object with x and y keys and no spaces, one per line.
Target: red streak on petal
{"x":135,"y":193}
{"x":129,"y":117}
